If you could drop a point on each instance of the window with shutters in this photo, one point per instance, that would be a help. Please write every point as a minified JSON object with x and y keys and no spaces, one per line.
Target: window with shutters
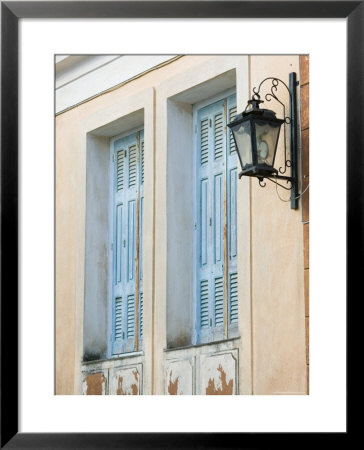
{"x":217,"y":166}
{"x":127,"y":242}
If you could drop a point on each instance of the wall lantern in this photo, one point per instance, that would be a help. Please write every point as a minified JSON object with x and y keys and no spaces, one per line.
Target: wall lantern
{"x":256,"y":134}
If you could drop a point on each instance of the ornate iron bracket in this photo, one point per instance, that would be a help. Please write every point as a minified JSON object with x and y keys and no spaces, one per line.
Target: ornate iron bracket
{"x":263,"y":184}
{"x":292,"y":123}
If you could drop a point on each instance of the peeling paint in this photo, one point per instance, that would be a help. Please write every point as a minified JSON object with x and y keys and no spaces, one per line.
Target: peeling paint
{"x":119,"y":390}
{"x":225,"y":389}
{"x":133,"y":387}
{"x":95,"y":384}
{"x":172,"y":386}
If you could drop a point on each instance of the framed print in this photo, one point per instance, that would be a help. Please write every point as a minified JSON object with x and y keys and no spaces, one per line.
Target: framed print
{"x":175,"y":210}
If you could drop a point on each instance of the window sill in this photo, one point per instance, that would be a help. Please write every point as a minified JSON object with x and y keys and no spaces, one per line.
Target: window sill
{"x":113,"y":358}
{"x":205,"y":344}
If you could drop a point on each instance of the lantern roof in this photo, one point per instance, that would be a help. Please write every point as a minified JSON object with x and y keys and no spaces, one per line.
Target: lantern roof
{"x":253,"y":112}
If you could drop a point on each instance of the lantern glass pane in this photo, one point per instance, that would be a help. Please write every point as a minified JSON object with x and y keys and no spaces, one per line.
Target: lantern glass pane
{"x":242,"y":135}
{"x":267,"y":137}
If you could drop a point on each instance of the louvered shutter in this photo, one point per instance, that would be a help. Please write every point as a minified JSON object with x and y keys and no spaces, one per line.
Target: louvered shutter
{"x":211,"y":174}
{"x":141,"y":213}
{"x":127,"y":194}
{"x":217,"y":170}
{"x":118,"y":321}
{"x":204,"y":304}
{"x":232,"y":178}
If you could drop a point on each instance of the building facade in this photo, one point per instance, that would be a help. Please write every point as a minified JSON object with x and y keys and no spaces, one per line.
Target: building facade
{"x":174,"y":276}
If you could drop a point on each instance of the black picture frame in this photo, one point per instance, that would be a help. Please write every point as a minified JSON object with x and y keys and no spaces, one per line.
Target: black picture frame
{"x":11,"y":12}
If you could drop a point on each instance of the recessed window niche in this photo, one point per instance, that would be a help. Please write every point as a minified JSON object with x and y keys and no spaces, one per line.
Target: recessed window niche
{"x":98,"y":255}
{"x":181,"y":207}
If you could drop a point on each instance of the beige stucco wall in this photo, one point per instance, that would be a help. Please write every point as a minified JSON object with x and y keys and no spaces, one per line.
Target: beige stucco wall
{"x":271,"y":301}
{"x":278,"y":331}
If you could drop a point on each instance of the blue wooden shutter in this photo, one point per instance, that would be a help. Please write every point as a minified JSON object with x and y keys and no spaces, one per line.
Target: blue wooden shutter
{"x":127,"y":193}
{"x":232,"y":179}
{"x":141,"y":213}
{"x":211,"y":183}
{"x":118,"y":321}
{"x":217,"y":170}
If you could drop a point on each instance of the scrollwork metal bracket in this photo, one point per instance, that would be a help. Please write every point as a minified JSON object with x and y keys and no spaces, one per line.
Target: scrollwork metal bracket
{"x":290,"y":121}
